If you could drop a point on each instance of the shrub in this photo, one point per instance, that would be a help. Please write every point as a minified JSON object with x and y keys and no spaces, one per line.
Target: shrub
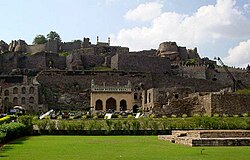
{"x":215,"y":115}
{"x":130,"y":116}
{"x":135,"y":125}
{"x":11,"y":131}
{"x":173,"y":116}
{"x":109,"y":124}
{"x":42,"y":124}
{"x":224,"y":115}
{"x":28,"y":122}
{"x":184,"y":116}
{"x":5,"y":119}
{"x":196,"y":115}
{"x":62,"y":125}
{"x":245,"y":114}
{"x":205,"y":115}
{"x":95,"y":117}
{"x":117,"y":125}
{"x":152,"y":116}
{"x":52,"y":125}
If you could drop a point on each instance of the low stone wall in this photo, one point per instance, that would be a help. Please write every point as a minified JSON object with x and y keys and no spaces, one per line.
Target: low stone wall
{"x":221,"y":142}
{"x":209,"y":137}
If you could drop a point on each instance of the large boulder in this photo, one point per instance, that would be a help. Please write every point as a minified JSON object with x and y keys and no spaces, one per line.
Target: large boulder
{"x":18,"y":46}
{"x":170,"y":50}
{"x":3,"y":47}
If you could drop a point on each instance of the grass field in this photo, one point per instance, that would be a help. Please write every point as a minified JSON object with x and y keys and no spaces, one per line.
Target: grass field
{"x":113,"y":147}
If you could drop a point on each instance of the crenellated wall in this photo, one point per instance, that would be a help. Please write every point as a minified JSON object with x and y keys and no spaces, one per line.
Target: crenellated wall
{"x":193,"y":71}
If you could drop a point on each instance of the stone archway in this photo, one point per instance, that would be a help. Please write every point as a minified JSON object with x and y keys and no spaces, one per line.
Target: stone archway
{"x":98,"y":105}
{"x":111,"y":104}
{"x":123,"y":105}
{"x":135,"y":108}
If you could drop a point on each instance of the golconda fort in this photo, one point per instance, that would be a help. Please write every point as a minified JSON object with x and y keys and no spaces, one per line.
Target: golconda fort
{"x":81,"y":76}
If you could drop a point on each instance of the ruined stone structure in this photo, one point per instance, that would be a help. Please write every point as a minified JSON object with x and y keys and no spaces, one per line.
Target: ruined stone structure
{"x":203,"y":103}
{"x":230,"y":104}
{"x":159,"y":97}
{"x":19,"y":92}
{"x":39,"y":61}
{"x":159,"y":78}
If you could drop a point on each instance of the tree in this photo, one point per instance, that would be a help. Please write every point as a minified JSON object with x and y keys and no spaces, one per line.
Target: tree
{"x":39,"y":39}
{"x":53,"y":36}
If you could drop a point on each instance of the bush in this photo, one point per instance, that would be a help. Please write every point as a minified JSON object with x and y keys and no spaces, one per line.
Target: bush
{"x":11,"y":131}
{"x":5,"y":119}
{"x":28,"y":122}
{"x":245,"y":114}
{"x":152,"y":116}
{"x":130,"y":116}
{"x":184,"y":116}
{"x":43,"y":124}
{"x":216,"y":115}
{"x":173,"y":116}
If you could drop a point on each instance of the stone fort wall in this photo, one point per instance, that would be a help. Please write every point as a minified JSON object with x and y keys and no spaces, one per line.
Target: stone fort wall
{"x":140,"y":63}
{"x":230,"y":104}
{"x":193,"y":71}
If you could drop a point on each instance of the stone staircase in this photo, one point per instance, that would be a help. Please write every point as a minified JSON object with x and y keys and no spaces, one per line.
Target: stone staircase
{"x":209,"y":137}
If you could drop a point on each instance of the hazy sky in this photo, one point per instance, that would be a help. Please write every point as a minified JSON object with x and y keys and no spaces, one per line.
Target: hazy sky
{"x":216,"y":27}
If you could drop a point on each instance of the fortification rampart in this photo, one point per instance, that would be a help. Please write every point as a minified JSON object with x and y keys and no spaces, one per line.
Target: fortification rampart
{"x":36,"y":48}
{"x":141,"y":63}
{"x":70,"y":46}
{"x":193,"y":71}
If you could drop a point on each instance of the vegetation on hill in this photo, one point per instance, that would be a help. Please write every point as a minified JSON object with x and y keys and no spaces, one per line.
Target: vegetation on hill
{"x":243,"y":91}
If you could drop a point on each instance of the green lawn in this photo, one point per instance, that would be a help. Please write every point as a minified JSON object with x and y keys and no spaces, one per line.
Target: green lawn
{"x":112,"y":147}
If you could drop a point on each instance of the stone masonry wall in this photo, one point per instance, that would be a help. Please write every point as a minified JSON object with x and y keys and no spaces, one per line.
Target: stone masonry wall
{"x":198,"y":72}
{"x":140,"y":63}
{"x":36,"y":48}
{"x":89,"y":60}
{"x":70,"y":46}
{"x":230,"y":104}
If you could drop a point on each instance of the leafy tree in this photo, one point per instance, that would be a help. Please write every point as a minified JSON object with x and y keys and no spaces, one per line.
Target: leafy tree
{"x":39,"y":39}
{"x":54,"y":36}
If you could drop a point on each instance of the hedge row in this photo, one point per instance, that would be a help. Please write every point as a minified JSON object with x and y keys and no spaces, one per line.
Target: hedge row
{"x":144,"y":124}
{"x":11,"y":131}
{"x":5,"y":119}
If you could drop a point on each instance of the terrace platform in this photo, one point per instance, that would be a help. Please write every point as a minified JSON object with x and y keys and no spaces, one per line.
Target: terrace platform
{"x":209,"y":137}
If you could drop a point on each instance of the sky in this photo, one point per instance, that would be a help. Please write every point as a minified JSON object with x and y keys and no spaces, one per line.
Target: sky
{"x":218,"y":28}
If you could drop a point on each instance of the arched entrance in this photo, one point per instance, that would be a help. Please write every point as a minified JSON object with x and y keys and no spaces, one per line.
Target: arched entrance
{"x":135,"y":108}
{"x":111,"y":104}
{"x":123,"y":105}
{"x":98,"y":105}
